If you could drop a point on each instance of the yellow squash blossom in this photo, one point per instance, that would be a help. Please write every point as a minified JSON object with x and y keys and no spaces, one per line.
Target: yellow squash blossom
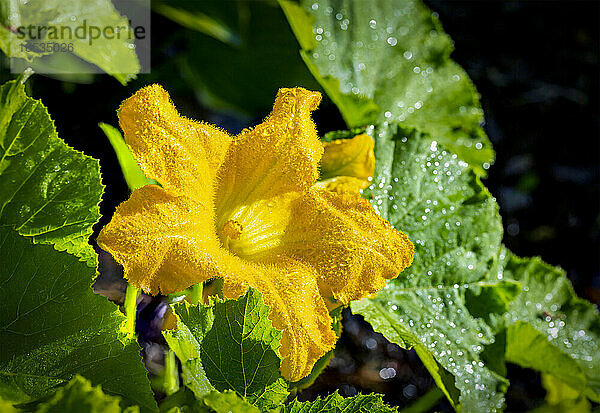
{"x":245,"y":209}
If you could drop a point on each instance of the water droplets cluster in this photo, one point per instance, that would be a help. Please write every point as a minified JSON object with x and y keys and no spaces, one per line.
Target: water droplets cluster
{"x":548,"y":312}
{"x":424,"y":189}
{"x":439,"y":319}
{"x":383,"y":56}
{"x":374,"y":36}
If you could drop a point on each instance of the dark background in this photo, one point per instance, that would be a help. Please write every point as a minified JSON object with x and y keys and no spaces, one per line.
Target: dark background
{"x":536,"y":65}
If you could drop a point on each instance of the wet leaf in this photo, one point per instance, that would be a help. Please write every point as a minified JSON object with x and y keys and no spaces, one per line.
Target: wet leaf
{"x":453,"y":221}
{"x":388,"y":61}
{"x":114,"y":56}
{"x":50,"y":191}
{"x":551,"y":329}
{"x":53,"y":326}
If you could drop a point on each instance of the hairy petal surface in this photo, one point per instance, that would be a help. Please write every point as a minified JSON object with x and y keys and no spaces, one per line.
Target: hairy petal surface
{"x":352,"y":248}
{"x":246,"y":211}
{"x":181,"y":154}
{"x":280,"y":155}
{"x":165,"y":242}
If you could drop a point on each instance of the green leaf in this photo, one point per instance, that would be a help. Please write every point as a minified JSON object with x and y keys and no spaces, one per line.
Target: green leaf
{"x":551,"y":329}
{"x":132,"y":172}
{"x":563,"y":398}
{"x":50,"y":192}
{"x":79,"y":396}
{"x":114,"y":56}
{"x":258,"y":57}
{"x":6,"y":406}
{"x":53,"y":326}
{"x":388,"y":61}
{"x":189,"y":16}
{"x":231,"y":345}
{"x":437,"y":200}
{"x":334,"y":403}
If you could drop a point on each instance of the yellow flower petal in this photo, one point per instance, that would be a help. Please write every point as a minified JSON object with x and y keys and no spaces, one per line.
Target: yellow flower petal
{"x":339,"y":234}
{"x":349,"y":157}
{"x":352,"y":248}
{"x":280,"y":155}
{"x":181,"y":154}
{"x":165,"y":242}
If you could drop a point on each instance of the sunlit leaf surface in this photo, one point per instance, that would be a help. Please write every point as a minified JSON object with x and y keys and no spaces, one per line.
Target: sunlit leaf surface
{"x":551,"y":329}
{"x":388,"y":61}
{"x":235,"y":347}
{"x":334,"y":403}
{"x":53,"y":326}
{"x":114,"y":55}
{"x":454,"y":223}
{"x":49,"y":191}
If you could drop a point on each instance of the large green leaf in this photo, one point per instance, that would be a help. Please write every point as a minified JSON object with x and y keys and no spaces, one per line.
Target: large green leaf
{"x":240,"y":53}
{"x":113,"y":55}
{"x":429,"y":193}
{"x":49,"y":191}
{"x":551,"y":329}
{"x":388,"y":61}
{"x":334,"y":403}
{"x":53,"y":326}
{"x":231,"y":345}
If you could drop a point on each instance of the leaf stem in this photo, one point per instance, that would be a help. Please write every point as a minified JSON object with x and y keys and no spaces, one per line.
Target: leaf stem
{"x":131,"y":308}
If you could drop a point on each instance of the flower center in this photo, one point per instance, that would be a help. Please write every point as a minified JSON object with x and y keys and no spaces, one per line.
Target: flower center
{"x":232,"y":229}
{"x":252,"y":231}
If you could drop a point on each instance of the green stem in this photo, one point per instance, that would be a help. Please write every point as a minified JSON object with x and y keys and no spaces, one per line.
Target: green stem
{"x":197,"y":293}
{"x":171,"y":382}
{"x":131,"y":308}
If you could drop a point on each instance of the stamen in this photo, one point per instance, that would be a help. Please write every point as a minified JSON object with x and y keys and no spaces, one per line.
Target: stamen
{"x":232,"y":229}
